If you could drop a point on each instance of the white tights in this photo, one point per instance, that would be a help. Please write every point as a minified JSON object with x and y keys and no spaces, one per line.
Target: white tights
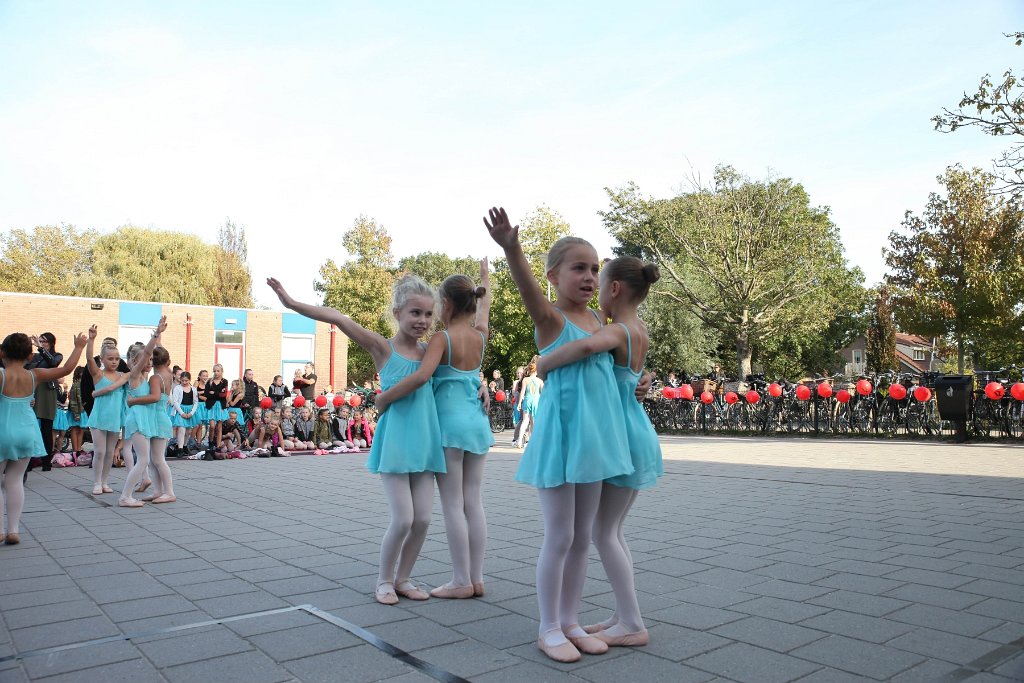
{"x":103,"y":443}
{"x":569,"y":512}
{"x":525,"y":428}
{"x":615,"y":556}
{"x":149,"y":453}
{"x":410,"y":500}
{"x":464,"y":520}
{"x":12,"y":493}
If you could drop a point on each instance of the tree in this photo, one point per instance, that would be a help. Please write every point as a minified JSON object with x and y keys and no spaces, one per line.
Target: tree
{"x":138,"y":264}
{"x":753,"y":260}
{"x":880,"y":349}
{"x":678,"y":339}
{"x":361,"y":287}
{"x":996,"y":109}
{"x":234,"y":281}
{"x":958,"y":270}
{"x":511,"y":340}
{"x":434,"y":266}
{"x":51,"y":259}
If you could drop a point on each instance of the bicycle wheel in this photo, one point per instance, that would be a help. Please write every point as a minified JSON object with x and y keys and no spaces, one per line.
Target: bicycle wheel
{"x":985,"y":420}
{"x":496,"y":418}
{"x":915,"y":418}
{"x":843,"y":418}
{"x":1015,"y":419}
{"x":686,"y":416}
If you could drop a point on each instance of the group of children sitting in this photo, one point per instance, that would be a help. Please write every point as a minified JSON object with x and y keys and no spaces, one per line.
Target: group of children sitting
{"x":288,"y":428}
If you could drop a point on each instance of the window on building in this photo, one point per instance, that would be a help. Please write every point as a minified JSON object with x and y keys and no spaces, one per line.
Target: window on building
{"x":296,"y":351}
{"x":229,"y":337}
{"x":858,"y":358}
{"x":918,"y":354}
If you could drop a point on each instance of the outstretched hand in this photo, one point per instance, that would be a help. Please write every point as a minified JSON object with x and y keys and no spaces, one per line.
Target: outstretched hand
{"x":501,"y":228}
{"x":485,"y":274}
{"x":92,"y":332}
{"x":286,"y":299}
{"x":161,"y":326}
{"x":80,"y":340}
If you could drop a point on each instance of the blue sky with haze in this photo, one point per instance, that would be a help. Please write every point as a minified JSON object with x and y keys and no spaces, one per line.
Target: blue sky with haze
{"x":294,"y":118}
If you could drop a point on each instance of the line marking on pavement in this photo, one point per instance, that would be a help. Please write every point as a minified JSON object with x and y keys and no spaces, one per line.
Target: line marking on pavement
{"x":387,"y":648}
{"x":985,"y":662}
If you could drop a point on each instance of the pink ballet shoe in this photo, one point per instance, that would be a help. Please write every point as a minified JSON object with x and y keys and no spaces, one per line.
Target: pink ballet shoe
{"x":450,"y":592}
{"x":635,"y":639}
{"x":591,"y":645}
{"x":12,"y":539}
{"x":130,"y":503}
{"x":165,"y":498}
{"x":407,"y":589}
{"x":385,"y":593}
{"x":478,"y":589}
{"x":564,"y":652}
{"x":143,"y":486}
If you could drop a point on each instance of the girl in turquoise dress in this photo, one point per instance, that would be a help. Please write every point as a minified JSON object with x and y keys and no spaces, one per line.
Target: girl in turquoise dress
{"x":20,"y":439}
{"x":529,"y":401}
{"x":109,"y":409}
{"x":465,"y":430}
{"x":147,"y":424}
{"x":579,"y":440}
{"x":406,"y":449}
{"x":625,"y":282}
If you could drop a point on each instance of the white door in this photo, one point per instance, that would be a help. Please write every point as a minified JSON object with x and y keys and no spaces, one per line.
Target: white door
{"x":231,"y":358}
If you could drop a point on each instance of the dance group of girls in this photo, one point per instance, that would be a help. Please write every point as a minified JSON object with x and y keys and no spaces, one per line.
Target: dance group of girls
{"x":592,"y":449}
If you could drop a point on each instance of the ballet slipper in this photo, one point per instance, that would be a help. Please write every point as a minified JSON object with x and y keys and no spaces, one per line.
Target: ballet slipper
{"x":591,"y":645}
{"x":107,"y":489}
{"x":130,"y":503}
{"x":601,"y":625}
{"x":407,"y":589}
{"x":634,"y":639}
{"x":563,"y":652}
{"x":478,"y":589}
{"x":97,"y":490}
{"x":164,"y":498}
{"x":12,"y":539}
{"x":385,"y":593}
{"x":450,"y":592}
{"x":143,"y":486}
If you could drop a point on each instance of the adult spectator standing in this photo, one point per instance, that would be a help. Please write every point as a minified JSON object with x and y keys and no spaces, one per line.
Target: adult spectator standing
{"x":498,"y":383}
{"x":45,"y":357}
{"x":308,"y":382}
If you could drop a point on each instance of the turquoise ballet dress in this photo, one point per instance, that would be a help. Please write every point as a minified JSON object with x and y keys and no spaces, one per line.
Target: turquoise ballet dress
{"x":580,"y":436}
{"x":408,"y":436}
{"x":459,"y":411}
{"x":61,"y":420}
{"x":531,"y":397}
{"x":19,"y":429}
{"x":149,"y":419}
{"x":644,"y":448}
{"x":108,"y":410}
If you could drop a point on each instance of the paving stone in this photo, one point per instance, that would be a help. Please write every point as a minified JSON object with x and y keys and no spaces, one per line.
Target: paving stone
{"x":871,"y":629}
{"x":147,"y":608}
{"x":467,"y":658}
{"x":860,"y":583}
{"x":787,"y":590}
{"x":941,"y":619}
{"x":304,"y":641}
{"x":696,"y":617}
{"x":929,"y":578}
{"x":941,"y":645}
{"x":135,"y":671}
{"x":640,"y":667}
{"x":245,"y":603}
{"x":940,"y":597}
{"x":858,"y":657}
{"x":751,"y":664}
{"x":60,"y":633}
{"x":48,"y":614}
{"x":361,"y":664}
{"x":501,"y":632}
{"x":782,"y":610}
{"x":929,"y":672}
{"x":80,"y":658}
{"x":244,"y":667}
{"x":770,"y":634}
{"x":872,"y":605}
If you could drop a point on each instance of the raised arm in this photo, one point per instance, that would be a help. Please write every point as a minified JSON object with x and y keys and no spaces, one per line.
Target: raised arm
{"x":410,"y":383}
{"x":483,"y":309}
{"x":605,"y":339}
{"x":543,"y":314}
{"x":90,"y":360}
{"x":113,"y":386}
{"x":373,"y":343}
{"x":48,"y":374}
{"x":147,"y":351}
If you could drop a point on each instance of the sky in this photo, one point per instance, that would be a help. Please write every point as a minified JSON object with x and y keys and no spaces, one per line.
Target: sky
{"x":293,"y":119}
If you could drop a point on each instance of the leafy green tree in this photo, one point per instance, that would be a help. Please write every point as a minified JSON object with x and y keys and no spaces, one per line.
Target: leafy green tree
{"x":234,"y":281}
{"x":752,"y":260}
{"x":361,"y":287}
{"x":511,"y":342}
{"x":434,"y":266}
{"x":139,"y":264}
{"x":996,"y":108}
{"x":880,"y":347}
{"x":679,"y":340}
{"x":49,"y":259}
{"x":957,"y":271}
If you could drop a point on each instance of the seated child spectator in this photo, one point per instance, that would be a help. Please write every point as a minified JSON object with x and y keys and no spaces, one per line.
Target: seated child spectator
{"x":339,"y":427}
{"x":288,"y":440}
{"x":304,"y":429}
{"x":360,"y":433}
{"x":231,"y":434}
{"x":322,"y":429}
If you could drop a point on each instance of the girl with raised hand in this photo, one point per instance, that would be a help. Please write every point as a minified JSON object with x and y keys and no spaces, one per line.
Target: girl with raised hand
{"x":20,"y":439}
{"x":407,"y":450}
{"x":109,"y":410}
{"x":216,"y":403}
{"x":625,"y":282}
{"x":580,"y":439}
{"x":452,"y":363}
{"x":529,"y":400}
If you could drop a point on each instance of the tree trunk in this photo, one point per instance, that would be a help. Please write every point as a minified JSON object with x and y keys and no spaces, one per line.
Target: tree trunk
{"x":960,"y":355}
{"x":743,"y":353}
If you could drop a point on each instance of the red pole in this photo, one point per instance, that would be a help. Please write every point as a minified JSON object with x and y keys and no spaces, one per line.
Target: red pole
{"x":188,"y":343}
{"x":332,"y":358}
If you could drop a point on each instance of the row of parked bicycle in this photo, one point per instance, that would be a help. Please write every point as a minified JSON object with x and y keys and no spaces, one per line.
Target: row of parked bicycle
{"x":892,"y":403}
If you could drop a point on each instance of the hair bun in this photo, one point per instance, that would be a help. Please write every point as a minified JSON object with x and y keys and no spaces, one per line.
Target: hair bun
{"x":479,"y":292}
{"x":651,"y":273}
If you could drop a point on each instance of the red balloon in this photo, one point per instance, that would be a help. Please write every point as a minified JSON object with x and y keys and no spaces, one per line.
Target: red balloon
{"x":376,"y":391}
{"x":774,"y":390}
{"x":338,"y":400}
{"x":707,"y":397}
{"x":499,"y":396}
{"x":864,"y":387}
{"x":897,"y":391}
{"x":843,"y":396}
{"x":824,"y":390}
{"x":753,"y":397}
{"x":731,"y":397}
{"x":299,"y":401}
{"x":354,"y":400}
{"x":922,"y":394}
{"x":1017,"y":391}
{"x":685,"y":392}
{"x":320,"y":401}
{"x":803,"y":392}
{"x":266,"y":402}
{"x":668,"y":392}
{"x":994,"y":390}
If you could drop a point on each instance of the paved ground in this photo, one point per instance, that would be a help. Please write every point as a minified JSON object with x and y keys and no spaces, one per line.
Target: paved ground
{"x":756,"y":560}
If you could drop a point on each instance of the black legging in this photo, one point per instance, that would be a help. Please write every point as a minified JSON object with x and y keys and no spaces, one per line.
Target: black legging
{"x":46,"y":430}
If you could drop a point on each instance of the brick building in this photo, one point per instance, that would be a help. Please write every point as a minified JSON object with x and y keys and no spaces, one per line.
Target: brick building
{"x":269,"y":342}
